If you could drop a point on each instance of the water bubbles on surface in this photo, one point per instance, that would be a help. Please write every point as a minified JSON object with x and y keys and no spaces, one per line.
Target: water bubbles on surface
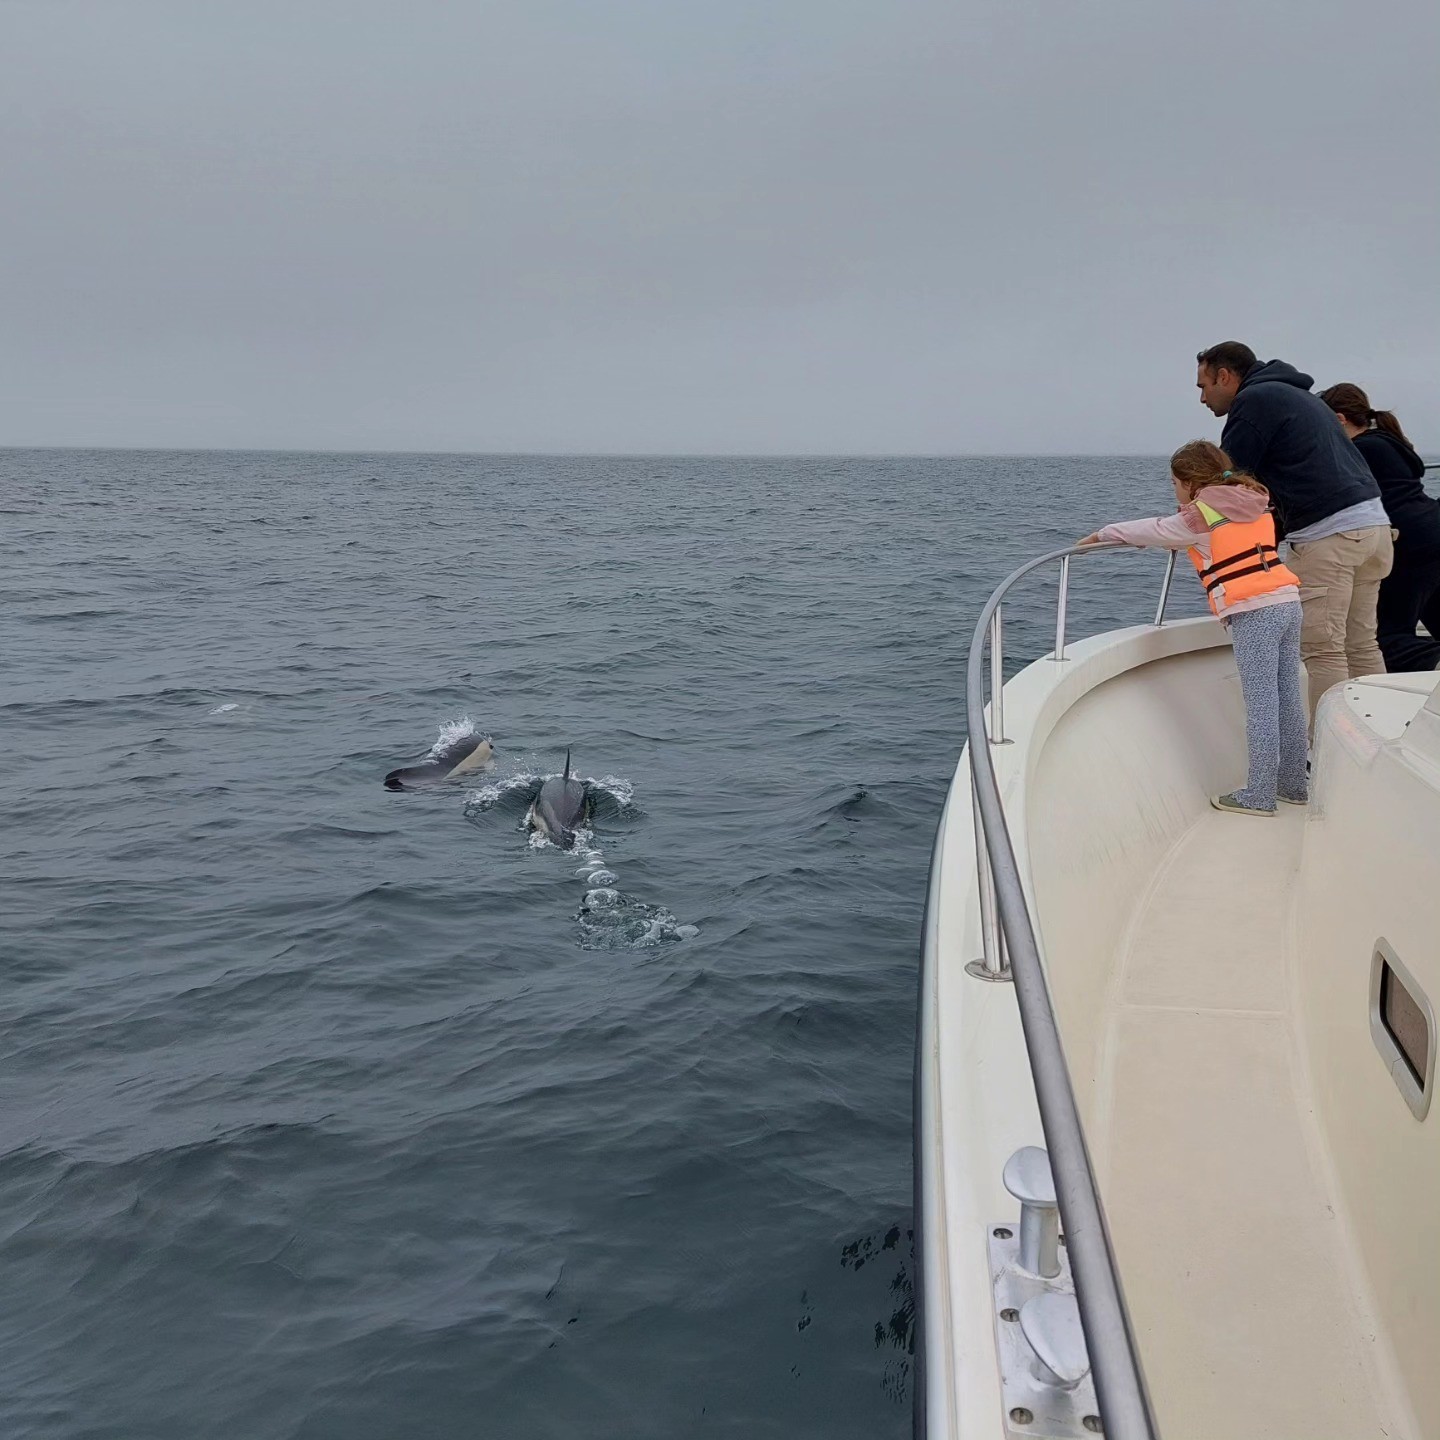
{"x":612,"y":920}
{"x":225,"y":709}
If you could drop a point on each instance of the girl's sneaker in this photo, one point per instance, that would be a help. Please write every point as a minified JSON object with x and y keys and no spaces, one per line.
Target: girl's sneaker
{"x":1234,"y":806}
{"x":1286,"y":800}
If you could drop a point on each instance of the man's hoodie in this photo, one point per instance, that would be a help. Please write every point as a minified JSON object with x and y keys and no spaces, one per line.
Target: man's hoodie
{"x":1400,"y":473}
{"x":1187,"y":530}
{"x":1291,"y":442}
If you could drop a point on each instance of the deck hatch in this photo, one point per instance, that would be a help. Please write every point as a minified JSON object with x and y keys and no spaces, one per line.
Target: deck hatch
{"x":1402,"y":1024}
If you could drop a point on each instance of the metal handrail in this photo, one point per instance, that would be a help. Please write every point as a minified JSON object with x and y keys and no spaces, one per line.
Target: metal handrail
{"x":993,"y":965}
{"x":1120,"y":1388}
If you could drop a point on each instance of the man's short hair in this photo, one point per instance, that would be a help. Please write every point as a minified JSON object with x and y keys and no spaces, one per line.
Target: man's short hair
{"x":1229,"y":355}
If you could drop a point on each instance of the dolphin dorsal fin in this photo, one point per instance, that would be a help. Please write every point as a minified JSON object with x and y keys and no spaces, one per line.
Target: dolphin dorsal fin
{"x":567,"y":764}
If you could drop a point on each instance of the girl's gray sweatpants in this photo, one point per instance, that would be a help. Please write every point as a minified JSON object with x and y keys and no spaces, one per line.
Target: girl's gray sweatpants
{"x":1267,"y":655}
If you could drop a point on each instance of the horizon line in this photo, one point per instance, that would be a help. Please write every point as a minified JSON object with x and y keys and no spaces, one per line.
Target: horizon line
{"x":603,"y":454}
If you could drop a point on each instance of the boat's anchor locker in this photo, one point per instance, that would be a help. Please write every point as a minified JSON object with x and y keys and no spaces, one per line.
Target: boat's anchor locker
{"x":1044,"y":1367}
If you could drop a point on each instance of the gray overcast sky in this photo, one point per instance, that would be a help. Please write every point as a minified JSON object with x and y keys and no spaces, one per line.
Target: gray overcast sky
{"x":828,"y":226}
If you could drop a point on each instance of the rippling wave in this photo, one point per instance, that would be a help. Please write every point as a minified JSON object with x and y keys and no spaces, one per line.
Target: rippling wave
{"x":336,"y":1111}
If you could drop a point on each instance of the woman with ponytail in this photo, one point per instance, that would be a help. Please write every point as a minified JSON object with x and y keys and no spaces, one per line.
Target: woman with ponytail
{"x":1225,"y":524}
{"x":1411,"y":592}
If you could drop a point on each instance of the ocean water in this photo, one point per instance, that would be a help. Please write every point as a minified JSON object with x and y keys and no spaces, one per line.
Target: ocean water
{"x":336,"y":1112}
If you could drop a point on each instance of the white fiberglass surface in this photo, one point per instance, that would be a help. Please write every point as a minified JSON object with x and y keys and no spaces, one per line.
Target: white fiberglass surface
{"x":1270,"y":1193}
{"x":1169,"y":943}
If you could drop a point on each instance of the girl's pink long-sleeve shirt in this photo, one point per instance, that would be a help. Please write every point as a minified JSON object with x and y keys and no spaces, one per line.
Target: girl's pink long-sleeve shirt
{"x":1186,"y":530}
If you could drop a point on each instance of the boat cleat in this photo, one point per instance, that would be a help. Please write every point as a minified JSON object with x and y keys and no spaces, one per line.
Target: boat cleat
{"x":1045,"y":1381}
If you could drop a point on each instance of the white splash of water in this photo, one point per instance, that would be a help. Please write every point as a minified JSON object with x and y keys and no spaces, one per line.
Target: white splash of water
{"x":453,"y":731}
{"x":483,"y":797}
{"x":621,"y":790}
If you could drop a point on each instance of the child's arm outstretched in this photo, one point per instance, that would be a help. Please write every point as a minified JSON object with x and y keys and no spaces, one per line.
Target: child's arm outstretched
{"x":1164,"y":532}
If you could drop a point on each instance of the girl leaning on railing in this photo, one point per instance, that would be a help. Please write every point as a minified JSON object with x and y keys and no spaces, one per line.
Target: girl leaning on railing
{"x":1225,"y":524}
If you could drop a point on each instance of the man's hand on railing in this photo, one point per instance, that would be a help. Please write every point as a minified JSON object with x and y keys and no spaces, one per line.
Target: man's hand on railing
{"x":1091,"y":539}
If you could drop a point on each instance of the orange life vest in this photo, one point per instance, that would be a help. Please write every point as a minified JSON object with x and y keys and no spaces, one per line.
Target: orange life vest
{"x":1244,"y":562}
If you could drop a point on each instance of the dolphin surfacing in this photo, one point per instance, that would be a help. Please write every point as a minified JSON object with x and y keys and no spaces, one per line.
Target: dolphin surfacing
{"x":560,"y":809}
{"x":459,"y":757}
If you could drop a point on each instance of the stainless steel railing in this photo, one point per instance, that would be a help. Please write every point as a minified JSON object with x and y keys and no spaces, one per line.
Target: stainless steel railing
{"x":1011,"y":953}
{"x":993,"y":965}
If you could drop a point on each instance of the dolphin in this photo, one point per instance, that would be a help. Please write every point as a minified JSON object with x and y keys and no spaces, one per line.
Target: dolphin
{"x":458,"y":757}
{"x":561,"y":808}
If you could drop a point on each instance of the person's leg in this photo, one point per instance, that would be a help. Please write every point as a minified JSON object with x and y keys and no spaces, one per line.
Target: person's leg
{"x":1374,"y":555}
{"x":1294,"y":780}
{"x":1325,"y":575}
{"x":1411,"y":594}
{"x":1397,"y":612}
{"x":1430,"y":609}
{"x":1256,"y":636}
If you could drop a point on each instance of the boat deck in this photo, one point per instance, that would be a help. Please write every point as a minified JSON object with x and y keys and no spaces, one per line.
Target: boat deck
{"x":1241,"y":1283}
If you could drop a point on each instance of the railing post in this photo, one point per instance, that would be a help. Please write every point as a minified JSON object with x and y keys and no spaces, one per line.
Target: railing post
{"x":1060,"y":607}
{"x":993,"y":964}
{"x":1165,"y":589}
{"x":997,"y":679}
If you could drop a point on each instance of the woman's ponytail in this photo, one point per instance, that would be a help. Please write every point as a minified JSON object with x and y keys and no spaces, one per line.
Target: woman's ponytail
{"x":1385,"y":420}
{"x":1354,"y":404}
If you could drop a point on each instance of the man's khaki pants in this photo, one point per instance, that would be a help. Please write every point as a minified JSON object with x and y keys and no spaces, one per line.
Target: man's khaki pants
{"x":1339,"y":584}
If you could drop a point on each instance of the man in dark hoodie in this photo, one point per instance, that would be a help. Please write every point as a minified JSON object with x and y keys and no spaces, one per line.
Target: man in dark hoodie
{"x":1326,"y":502}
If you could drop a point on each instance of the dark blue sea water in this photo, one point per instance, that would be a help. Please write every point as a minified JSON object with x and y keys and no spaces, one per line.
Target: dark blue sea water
{"x":335,"y":1112}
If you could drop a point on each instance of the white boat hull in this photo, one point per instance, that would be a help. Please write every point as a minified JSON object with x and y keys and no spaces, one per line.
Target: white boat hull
{"x":1241,"y":1237}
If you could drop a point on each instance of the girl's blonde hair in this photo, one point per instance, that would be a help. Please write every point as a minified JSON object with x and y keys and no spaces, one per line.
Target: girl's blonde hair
{"x":1200,"y":463}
